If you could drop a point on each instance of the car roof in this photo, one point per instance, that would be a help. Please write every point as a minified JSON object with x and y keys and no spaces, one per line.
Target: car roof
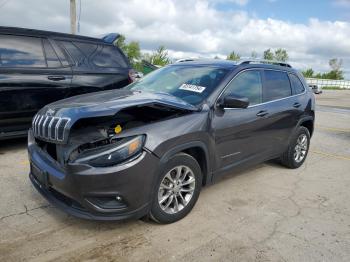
{"x":42,"y":33}
{"x":208,"y":62}
{"x":229,"y":64}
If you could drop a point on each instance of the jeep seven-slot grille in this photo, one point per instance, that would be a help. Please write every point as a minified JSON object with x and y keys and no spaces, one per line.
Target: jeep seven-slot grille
{"x":49,"y":128}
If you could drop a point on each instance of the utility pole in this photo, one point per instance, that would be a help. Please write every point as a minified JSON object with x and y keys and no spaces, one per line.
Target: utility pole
{"x":73,"y":17}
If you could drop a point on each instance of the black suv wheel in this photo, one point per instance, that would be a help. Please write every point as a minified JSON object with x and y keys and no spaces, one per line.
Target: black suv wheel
{"x":177,"y":189}
{"x":298,"y":148}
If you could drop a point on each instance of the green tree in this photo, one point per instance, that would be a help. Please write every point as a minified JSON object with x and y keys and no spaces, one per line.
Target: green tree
{"x":233,"y":56}
{"x":120,"y":42}
{"x":131,"y":50}
{"x":268,"y":55}
{"x":281,"y":55}
{"x":335,"y":64}
{"x":336,"y":72}
{"x":159,"y":57}
{"x":254,"y":54}
{"x":308,"y":72}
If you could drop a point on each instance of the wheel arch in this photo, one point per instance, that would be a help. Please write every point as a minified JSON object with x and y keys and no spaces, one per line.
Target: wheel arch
{"x":196,"y":149}
{"x":307,"y":122}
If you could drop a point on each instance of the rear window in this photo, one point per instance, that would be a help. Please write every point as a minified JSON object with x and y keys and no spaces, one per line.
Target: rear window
{"x":75,"y":53}
{"x":109,"y":56}
{"x":21,"y":51}
{"x":87,"y":48}
{"x":296,"y":84}
{"x":277,"y":85}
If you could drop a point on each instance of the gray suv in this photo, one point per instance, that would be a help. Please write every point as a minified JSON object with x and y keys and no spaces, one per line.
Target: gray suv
{"x":149,"y":148}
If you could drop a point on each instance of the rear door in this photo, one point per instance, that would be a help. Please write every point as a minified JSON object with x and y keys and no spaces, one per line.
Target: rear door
{"x":31,"y":76}
{"x":97,"y":67}
{"x":280,"y":105}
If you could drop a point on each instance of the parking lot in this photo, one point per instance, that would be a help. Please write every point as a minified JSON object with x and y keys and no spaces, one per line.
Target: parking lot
{"x":266,"y":213}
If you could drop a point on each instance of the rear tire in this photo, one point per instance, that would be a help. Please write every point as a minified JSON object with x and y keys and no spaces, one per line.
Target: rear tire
{"x":297,"y":150}
{"x":177,"y":189}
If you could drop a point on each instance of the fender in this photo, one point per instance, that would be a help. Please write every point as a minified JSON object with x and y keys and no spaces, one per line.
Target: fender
{"x":304,"y":119}
{"x":301,"y":120}
{"x":182,"y":147}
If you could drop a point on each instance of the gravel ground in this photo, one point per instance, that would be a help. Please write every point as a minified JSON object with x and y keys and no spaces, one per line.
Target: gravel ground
{"x":266,"y":213}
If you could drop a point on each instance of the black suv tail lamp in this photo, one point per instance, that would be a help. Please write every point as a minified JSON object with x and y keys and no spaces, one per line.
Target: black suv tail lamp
{"x":108,"y":202}
{"x":132,"y":76}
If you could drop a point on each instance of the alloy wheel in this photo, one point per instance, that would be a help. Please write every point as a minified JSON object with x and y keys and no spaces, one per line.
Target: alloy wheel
{"x":176,"y":189}
{"x":300,"y":149}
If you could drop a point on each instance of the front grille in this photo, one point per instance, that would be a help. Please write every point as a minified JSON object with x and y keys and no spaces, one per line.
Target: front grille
{"x":50,"y":128}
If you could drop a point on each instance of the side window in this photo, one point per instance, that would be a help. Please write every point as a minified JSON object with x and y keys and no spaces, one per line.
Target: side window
{"x":21,"y":51}
{"x":109,"y":56}
{"x":87,"y":48}
{"x":296,"y":84}
{"x":247,"y":84}
{"x":50,"y":54}
{"x":277,"y":85}
{"x":73,"y":51}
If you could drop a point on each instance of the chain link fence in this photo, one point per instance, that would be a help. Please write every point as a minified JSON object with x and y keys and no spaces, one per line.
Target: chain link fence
{"x":329,"y":83}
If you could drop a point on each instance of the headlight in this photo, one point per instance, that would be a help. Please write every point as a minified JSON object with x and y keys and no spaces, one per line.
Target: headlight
{"x":113,"y":154}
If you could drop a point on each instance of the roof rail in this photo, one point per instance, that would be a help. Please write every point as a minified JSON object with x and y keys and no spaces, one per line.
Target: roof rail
{"x":263,"y":61}
{"x":189,"y":59}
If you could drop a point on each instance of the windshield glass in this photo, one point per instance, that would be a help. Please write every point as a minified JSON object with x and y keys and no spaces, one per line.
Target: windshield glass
{"x":190,"y":83}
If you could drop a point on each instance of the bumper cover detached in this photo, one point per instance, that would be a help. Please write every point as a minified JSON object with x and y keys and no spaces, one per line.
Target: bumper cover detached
{"x":112,"y":193}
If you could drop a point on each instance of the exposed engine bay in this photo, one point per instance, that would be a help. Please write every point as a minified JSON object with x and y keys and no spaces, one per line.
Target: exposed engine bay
{"x":88,"y":134}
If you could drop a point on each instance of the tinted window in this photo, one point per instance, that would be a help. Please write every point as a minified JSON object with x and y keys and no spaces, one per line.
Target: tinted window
{"x":21,"y":51}
{"x":247,"y":84}
{"x":109,"y":56}
{"x":296,"y":84}
{"x":50,"y":54}
{"x":74,"y":52}
{"x":87,"y":48}
{"x":277,"y":85}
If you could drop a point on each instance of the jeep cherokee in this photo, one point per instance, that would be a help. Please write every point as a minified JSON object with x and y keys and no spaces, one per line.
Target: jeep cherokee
{"x":147,"y":150}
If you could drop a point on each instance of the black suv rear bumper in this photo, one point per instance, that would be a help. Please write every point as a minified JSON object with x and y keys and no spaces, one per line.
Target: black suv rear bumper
{"x":114,"y":193}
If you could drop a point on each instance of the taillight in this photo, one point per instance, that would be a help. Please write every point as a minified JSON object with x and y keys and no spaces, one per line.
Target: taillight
{"x":132,"y":75}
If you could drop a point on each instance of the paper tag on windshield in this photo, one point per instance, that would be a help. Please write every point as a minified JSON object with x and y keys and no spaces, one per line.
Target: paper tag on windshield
{"x":192,"y":88}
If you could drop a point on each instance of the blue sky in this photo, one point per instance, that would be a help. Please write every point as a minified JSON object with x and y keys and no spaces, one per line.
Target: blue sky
{"x":296,"y":11}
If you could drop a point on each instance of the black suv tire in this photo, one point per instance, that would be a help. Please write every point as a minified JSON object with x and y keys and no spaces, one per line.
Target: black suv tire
{"x":190,"y":170}
{"x":288,"y":158}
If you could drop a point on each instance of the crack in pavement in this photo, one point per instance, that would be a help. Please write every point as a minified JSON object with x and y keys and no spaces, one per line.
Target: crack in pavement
{"x":25,"y":212}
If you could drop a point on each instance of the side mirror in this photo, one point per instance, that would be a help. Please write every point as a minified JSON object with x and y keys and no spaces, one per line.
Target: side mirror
{"x":231,"y":101}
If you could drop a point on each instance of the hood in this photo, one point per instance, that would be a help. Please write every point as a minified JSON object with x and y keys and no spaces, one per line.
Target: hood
{"x":108,"y":103}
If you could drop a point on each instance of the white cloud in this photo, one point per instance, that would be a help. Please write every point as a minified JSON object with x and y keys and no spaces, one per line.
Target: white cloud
{"x":237,"y":2}
{"x":192,"y":28}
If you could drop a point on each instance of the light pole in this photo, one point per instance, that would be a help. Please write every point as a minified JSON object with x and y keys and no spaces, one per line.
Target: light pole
{"x":73,"y":17}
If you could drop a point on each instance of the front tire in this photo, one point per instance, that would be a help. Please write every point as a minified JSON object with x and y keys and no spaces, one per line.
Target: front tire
{"x":177,"y":189}
{"x":298,"y":149}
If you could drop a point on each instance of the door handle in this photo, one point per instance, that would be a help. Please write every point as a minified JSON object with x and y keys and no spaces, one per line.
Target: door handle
{"x":56,"y":78}
{"x":262,"y":113}
{"x":296,"y":104}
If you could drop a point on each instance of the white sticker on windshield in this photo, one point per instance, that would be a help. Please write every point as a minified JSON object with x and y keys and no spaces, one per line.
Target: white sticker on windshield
{"x":193,"y":88}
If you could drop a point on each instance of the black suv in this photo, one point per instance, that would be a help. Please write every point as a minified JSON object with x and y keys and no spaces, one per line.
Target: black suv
{"x":150,"y":147}
{"x":39,"y":67}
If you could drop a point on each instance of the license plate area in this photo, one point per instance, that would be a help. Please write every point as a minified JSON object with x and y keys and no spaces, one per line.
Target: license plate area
{"x":39,"y":175}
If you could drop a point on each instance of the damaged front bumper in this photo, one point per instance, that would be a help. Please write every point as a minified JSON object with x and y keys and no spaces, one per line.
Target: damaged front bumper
{"x":110,"y":193}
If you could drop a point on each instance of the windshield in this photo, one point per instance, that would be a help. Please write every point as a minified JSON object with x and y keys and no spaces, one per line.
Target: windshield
{"x":193,"y":84}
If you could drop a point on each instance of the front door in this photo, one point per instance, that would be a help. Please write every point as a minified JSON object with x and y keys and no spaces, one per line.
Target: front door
{"x":240,"y":134}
